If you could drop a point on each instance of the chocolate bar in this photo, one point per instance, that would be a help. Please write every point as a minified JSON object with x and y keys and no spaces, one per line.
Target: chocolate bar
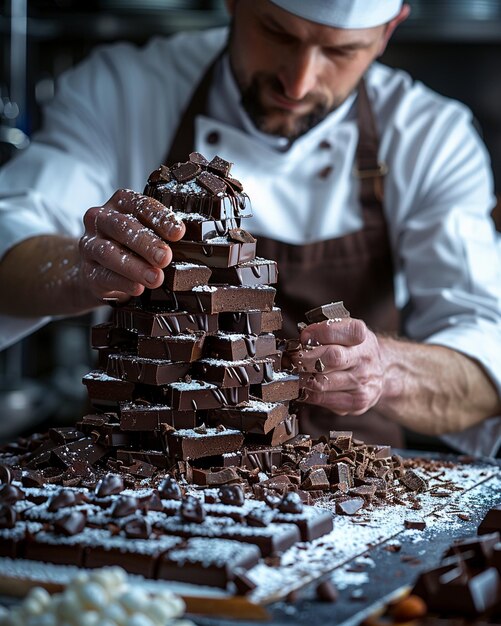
{"x":234,"y":373}
{"x":164,"y":324}
{"x":217,"y":252}
{"x":201,"y":442}
{"x":141,"y":415}
{"x":205,"y":561}
{"x":197,"y":394}
{"x":223,"y":298}
{"x":108,"y":336}
{"x":251,"y":322}
{"x":237,"y":346}
{"x":148,"y":371}
{"x":183,"y":276}
{"x":201,"y":228}
{"x":331,"y":311}
{"x":283,"y":386}
{"x":252,"y":417}
{"x":283,"y":432}
{"x":186,"y":348}
{"x":103,"y":387}
{"x":259,"y":271}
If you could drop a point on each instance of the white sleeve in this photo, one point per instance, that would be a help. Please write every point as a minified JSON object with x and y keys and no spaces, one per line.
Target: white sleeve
{"x":448,"y":251}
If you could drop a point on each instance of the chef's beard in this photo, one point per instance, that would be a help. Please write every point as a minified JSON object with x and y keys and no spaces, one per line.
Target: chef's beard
{"x":280,"y":122}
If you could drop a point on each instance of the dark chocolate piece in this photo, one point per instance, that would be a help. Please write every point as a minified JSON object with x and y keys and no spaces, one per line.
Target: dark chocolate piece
{"x":220,"y":166}
{"x":251,"y":322}
{"x":282,"y":387}
{"x":251,"y":417}
{"x":169,"y":489}
{"x":225,"y":298}
{"x":186,"y":171}
{"x":164,"y":324}
{"x":212,"y":183}
{"x":237,"y":347}
{"x":291,"y":503}
{"x":198,"y":158}
{"x":109,"y":485}
{"x":183,"y":276}
{"x":414,"y":481}
{"x":256,"y":272}
{"x":491,"y":522}
{"x":190,"y":444}
{"x":331,"y":311}
{"x":186,"y":348}
{"x":192,"y":510}
{"x":234,"y":373}
{"x":217,"y":252}
{"x":148,"y":371}
{"x":137,"y":528}
{"x":349,"y":506}
{"x":70,"y":524}
{"x":232,"y":494}
{"x":161,"y":174}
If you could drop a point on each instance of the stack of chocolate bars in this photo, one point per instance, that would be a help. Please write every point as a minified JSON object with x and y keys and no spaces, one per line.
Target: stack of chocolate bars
{"x":190,"y":372}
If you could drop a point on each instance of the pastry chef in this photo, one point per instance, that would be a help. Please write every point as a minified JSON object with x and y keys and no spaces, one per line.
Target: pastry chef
{"x":366,"y":187}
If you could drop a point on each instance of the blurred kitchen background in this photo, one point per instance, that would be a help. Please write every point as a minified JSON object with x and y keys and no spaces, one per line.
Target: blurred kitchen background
{"x":454,"y":46}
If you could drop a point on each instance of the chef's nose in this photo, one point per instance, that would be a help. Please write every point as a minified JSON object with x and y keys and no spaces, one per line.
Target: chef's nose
{"x":299,"y":73}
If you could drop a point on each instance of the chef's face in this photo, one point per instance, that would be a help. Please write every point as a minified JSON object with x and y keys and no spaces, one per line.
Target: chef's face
{"x":293,"y":72}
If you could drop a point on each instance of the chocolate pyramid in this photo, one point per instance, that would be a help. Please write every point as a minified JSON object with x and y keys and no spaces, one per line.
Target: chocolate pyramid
{"x":190,"y":371}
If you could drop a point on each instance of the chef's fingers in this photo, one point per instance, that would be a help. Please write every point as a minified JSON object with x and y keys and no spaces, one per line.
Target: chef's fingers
{"x":346,"y":332}
{"x":150,"y":212}
{"x":107,"y":285}
{"x":135,"y":273}
{"x":108,"y":223}
{"x":324,"y":358}
{"x":342,"y":392}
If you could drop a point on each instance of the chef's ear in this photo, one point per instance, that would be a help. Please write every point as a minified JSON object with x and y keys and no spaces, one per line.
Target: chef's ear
{"x":230,"y":6}
{"x":390,"y":27}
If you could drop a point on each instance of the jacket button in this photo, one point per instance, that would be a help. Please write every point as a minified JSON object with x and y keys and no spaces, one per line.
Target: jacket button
{"x":324,"y":145}
{"x":325,"y":172}
{"x":212,"y":137}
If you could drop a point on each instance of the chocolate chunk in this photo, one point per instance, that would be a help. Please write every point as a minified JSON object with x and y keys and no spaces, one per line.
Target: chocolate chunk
{"x":109,"y":485}
{"x":231,"y":494}
{"x":10,"y":494}
{"x":199,"y":159}
{"x":32,"y":478}
{"x":252,"y":417}
{"x":64,"y":498}
{"x":124,"y":506}
{"x":316,"y":479}
{"x":186,"y":171}
{"x":70,"y":524}
{"x":8,"y":516}
{"x":212,"y":183}
{"x":319,"y":366}
{"x":160,"y":175}
{"x":331,"y":311}
{"x":192,"y":510}
{"x":137,"y":528}
{"x":349,"y":506}
{"x":414,"y":481}
{"x":240,"y":235}
{"x":220,"y":166}
{"x":415,"y":524}
{"x":243,"y":583}
{"x":291,"y":503}
{"x":169,"y":489}
{"x":234,"y":184}
{"x":491,"y":522}
{"x":326,"y":591}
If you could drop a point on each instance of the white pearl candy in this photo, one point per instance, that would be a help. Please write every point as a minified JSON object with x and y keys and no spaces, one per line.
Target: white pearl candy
{"x":139,"y":619}
{"x":134,"y":600}
{"x":92,"y":596}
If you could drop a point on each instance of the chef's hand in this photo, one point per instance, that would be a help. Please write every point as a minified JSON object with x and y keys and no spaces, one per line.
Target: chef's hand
{"x":124,"y":249}
{"x":342,"y":370}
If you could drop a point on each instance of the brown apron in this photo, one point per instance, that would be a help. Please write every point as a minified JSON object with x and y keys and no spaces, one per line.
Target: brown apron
{"x":356,"y":268}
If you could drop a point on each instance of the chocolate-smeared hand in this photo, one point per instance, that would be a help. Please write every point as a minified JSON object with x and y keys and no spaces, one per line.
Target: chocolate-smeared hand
{"x":124,"y":249}
{"x":340,"y":366}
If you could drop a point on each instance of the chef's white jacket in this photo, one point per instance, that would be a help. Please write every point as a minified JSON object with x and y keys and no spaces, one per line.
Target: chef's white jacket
{"x":115,"y":115}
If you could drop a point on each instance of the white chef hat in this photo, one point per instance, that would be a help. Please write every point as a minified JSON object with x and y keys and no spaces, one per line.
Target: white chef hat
{"x":343,"y":13}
